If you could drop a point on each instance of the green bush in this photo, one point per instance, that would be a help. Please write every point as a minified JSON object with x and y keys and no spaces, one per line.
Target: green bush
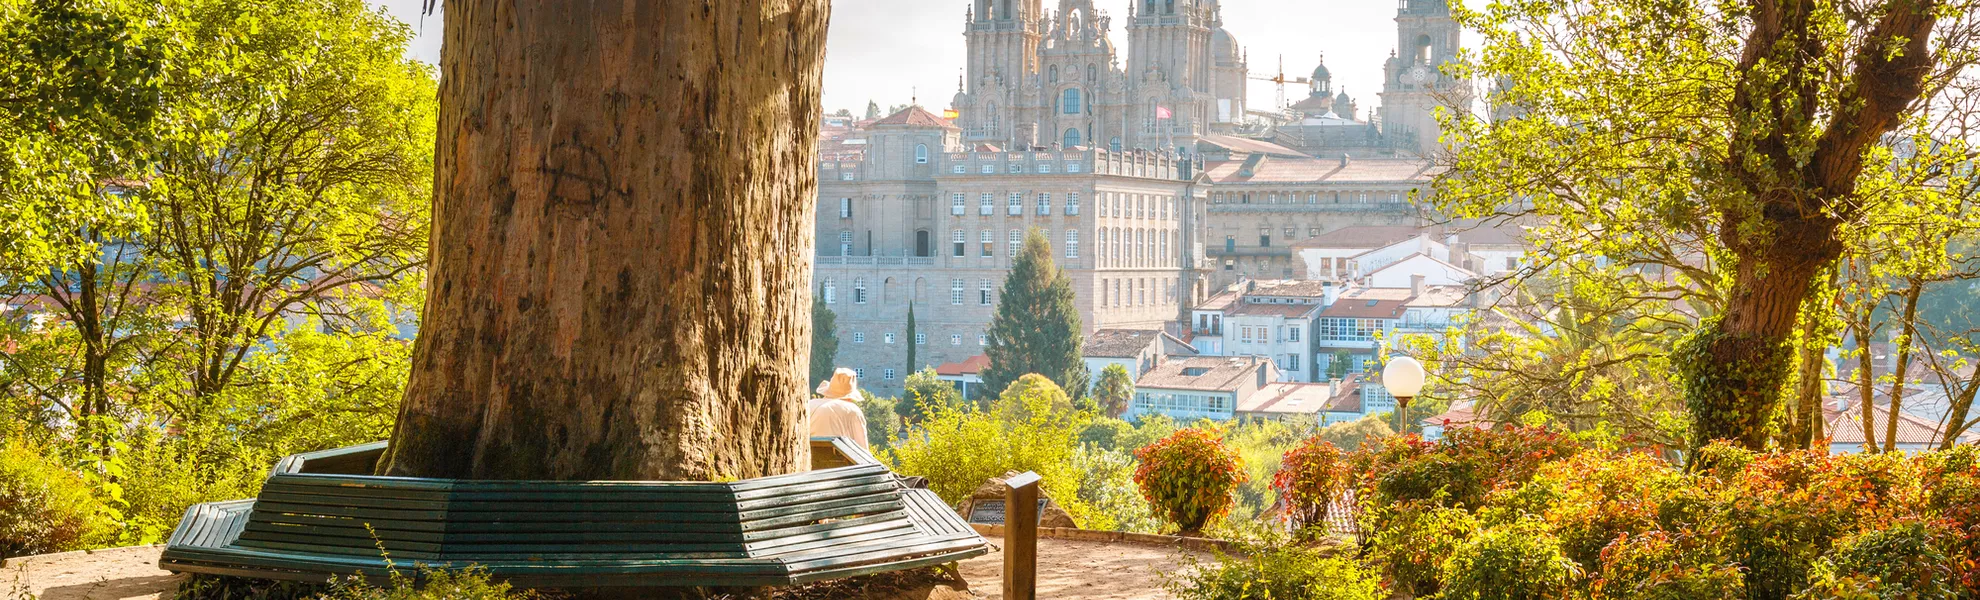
{"x":1188,"y":477}
{"x":1277,"y":573}
{"x":1106,"y":485}
{"x":1901,"y":562}
{"x":1030,"y":428}
{"x":1413,"y":541}
{"x":45,"y":507}
{"x":1520,"y":561}
{"x":471,"y":583}
{"x":882,"y":425}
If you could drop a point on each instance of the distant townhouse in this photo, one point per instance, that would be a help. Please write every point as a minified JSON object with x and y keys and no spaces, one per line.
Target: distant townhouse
{"x":1202,"y":387}
{"x":1321,"y":403}
{"x":1137,"y":350}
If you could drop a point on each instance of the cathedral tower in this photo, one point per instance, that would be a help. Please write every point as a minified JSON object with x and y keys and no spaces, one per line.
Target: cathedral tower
{"x":1003,"y":38}
{"x":1412,"y":85}
{"x":1170,"y":69}
{"x":1081,"y":92}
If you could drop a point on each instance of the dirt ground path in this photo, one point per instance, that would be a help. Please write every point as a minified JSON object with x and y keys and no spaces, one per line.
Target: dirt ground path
{"x":1070,"y":570}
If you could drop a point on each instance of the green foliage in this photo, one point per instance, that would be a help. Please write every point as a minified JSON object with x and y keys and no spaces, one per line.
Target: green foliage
{"x":1412,"y":539}
{"x":1027,"y":429}
{"x":45,"y":507}
{"x":1036,"y":328}
{"x":913,"y":366}
{"x":824,"y":340}
{"x":924,"y":392}
{"x":1188,"y":477}
{"x":1519,"y":561}
{"x":1114,"y":390}
{"x":1277,"y":573}
{"x":1358,"y":433}
{"x":1106,"y":485}
{"x":881,"y":427}
{"x":471,"y":583}
{"x":1903,"y":561}
{"x":1259,"y":446}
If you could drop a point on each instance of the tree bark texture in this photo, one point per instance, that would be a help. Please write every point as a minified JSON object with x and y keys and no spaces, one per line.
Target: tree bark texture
{"x":1784,"y":232}
{"x":1908,"y":330}
{"x":620,"y":286}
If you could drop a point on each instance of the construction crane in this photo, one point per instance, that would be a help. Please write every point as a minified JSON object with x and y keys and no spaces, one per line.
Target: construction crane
{"x":1281,"y":80}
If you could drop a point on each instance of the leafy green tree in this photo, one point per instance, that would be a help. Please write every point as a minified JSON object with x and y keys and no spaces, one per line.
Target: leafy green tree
{"x":824,"y":340}
{"x":1338,"y":368}
{"x":1036,"y":328}
{"x":924,"y":394}
{"x":1114,"y":390}
{"x":1731,"y":189}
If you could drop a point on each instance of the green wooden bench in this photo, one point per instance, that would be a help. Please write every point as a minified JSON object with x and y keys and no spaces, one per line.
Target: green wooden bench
{"x":319,"y":517}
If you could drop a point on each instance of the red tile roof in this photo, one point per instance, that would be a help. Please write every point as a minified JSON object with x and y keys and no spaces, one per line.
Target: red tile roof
{"x":969,"y":366}
{"x":916,"y":117}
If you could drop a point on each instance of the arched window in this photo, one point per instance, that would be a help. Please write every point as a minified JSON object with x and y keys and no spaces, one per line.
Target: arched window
{"x":923,"y":244}
{"x":1422,"y":49}
{"x":1072,"y":137}
{"x":921,"y":154}
{"x":1069,"y":102}
{"x":1114,"y":144}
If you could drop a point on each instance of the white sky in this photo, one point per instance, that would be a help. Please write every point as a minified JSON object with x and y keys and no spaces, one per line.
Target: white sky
{"x":889,"y":50}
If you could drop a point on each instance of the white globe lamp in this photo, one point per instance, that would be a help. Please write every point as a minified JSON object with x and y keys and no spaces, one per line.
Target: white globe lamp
{"x":1403,"y":377}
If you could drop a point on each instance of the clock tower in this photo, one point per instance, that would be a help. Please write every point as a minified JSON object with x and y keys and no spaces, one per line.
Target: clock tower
{"x":1413,"y":85}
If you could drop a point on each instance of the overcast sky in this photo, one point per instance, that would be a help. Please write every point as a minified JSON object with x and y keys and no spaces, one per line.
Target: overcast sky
{"x":890,"y":50}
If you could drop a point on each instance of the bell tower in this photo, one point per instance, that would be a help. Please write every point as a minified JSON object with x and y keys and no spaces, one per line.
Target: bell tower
{"x":1413,"y":85}
{"x":1003,"y":37}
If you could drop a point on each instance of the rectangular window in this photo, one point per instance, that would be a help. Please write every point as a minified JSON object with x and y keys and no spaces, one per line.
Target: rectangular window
{"x":920,"y":339}
{"x":859,"y":291}
{"x":845,"y":243}
{"x":887,"y":338}
{"x":830,"y":289}
{"x":1017,"y":241}
{"x":984,"y":203}
{"x":1292,"y":334}
{"x":956,"y":204}
{"x":955,"y":339}
{"x":982,"y":340}
{"x":887,"y":374}
{"x":1313,"y":232}
{"x":1044,"y":205}
{"x":989,"y":240}
{"x":983,"y":292}
{"x":859,"y":337}
{"x":957,"y":238}
{"x":1045,"y":168}
{"x":1072,"y":204}
{"x":1291,"y":234}
{"x":1072,"y":243}
{"x":860,"y":371}
{"x":1016,"y":168}
{"x":958,"y":169}
{"x":955,"y":292}
{"x":1072,"y":167}
{"x":846,"y":176}
{"x":988,"y":168}
{"x":845,"y":208}
{"x":1016,"y":204}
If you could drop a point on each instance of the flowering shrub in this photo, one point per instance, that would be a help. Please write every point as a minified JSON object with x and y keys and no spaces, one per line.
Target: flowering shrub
{"x":1024,"y":430}
{"x":1902,"y":561}
{"x":1462,"y":468}
{"x":1188,"y":477}
{"x":1415,"y":539}
{"x":1310,"y":478}
{"x":1952,"y":483}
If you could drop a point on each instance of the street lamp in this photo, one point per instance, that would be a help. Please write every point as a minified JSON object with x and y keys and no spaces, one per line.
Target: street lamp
{"x":1403,"y":377}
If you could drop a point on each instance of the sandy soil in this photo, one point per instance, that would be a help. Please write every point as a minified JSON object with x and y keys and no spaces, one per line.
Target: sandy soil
{"x":1067,"y":570}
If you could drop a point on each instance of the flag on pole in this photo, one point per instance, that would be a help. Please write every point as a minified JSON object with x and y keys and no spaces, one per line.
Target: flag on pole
{"x":1162,"y":112}
{"x":950,"y":114}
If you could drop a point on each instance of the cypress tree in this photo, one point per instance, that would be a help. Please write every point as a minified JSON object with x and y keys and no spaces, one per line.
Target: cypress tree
{"x":911,"y":367}
{"x":824,"y":341}
{"x":1036,"y":328}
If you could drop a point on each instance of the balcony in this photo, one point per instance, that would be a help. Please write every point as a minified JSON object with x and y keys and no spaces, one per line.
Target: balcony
{"x":1222,"y":252}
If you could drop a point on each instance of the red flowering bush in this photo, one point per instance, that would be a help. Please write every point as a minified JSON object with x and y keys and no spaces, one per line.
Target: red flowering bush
{"x":1310,"y":478}
{"x":1188,"y":477}
{"x":1952,"y":483}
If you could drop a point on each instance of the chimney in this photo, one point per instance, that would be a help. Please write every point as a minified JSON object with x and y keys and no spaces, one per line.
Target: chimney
{"x":1416,"y":285}
{"x":1328,"y":293}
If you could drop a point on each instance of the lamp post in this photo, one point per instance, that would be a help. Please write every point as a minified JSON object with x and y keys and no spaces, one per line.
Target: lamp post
{"x":1403,"y":377}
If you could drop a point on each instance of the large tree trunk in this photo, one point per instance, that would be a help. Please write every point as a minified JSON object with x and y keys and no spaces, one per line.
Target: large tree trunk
{"x":622,"y":217}
{"x":1782,"y":228}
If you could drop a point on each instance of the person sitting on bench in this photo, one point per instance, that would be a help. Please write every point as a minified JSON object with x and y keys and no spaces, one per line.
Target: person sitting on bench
{"x":836,"y":411}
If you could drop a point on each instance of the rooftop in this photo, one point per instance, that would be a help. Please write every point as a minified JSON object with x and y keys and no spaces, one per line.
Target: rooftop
{"x":1288,"y":398}
{"x":1261,"y":309}
{"x":1119,"y":343}
{"x":969,"y":366}
{"x":914,"y":116}
{"x":1204,"y":373}
{"x":1278,"y":169}
{"x":1362,"y":238}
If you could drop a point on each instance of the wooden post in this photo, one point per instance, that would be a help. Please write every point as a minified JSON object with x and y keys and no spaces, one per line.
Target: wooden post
{"x":1021,"y":537}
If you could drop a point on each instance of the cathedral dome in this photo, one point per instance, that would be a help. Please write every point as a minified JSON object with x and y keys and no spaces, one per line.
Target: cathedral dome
{"x":1224,"y":45}
{"x":1320,"y":72}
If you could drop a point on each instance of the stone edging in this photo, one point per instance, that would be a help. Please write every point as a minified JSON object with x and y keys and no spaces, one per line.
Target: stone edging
{"x":1089,"y":535}
{"x":21,"y":561}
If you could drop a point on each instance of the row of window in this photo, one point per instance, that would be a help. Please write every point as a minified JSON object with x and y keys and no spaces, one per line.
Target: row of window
{"x":1134,"y":247}
{"x":921,"y":339}
{"x":1308,"y":197}
{"x":1351,"y":330}
{"x":828,"y":289}
{"x":1262,"y":334}
{"x":1013,"y":241}
{"x":1013,"y":206}
{"x":1137,"y":206}
{"x":1164,"y":402}
{"x":1015,"y":168}
{"x":1140,"y":291}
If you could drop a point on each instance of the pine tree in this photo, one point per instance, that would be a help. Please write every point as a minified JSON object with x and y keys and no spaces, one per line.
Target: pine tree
{"x":824,"y":340}
{"x":1036,"y":328}
{"x":911,"y":343}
